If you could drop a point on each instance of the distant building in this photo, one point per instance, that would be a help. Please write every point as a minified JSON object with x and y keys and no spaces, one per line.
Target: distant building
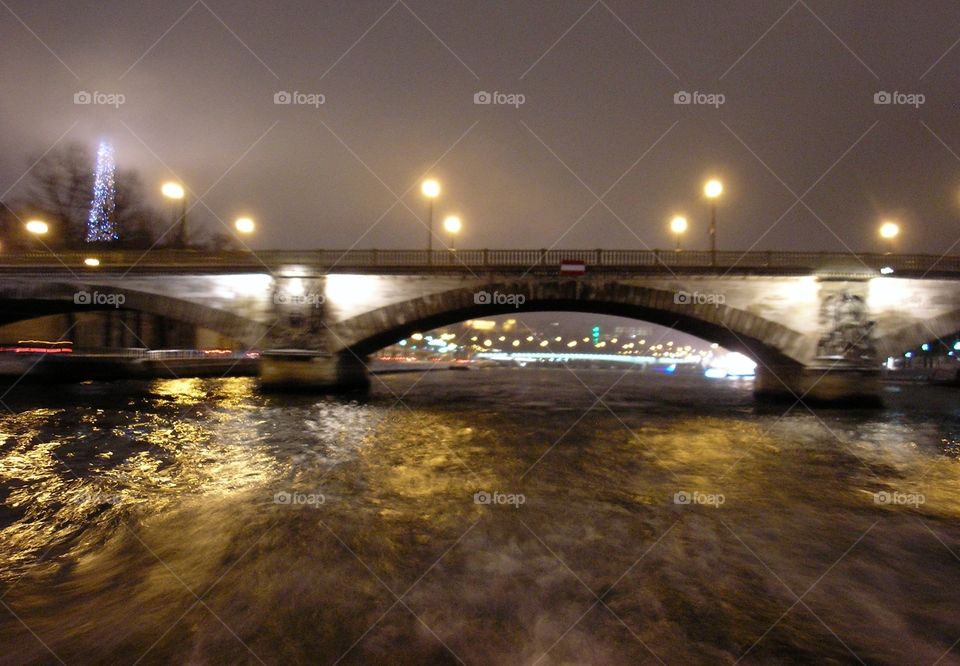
{"x":631,"y":332}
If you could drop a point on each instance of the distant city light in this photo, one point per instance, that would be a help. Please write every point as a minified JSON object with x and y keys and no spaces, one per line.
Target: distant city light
{"x":733,"y":364}
{"x":93,"y":262}
{"x":925,"y":347}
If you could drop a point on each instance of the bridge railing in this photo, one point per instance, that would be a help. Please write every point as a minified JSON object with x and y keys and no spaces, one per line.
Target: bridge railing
{"x":471,"y":260}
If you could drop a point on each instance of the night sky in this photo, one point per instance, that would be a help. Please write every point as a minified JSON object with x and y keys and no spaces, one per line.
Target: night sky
{"x":598,"y":118}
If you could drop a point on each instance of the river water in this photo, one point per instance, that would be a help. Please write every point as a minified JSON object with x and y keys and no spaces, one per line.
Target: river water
{"x":623,"y":519}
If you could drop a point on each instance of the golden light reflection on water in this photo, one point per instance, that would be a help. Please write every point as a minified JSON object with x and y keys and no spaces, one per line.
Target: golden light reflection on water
{"x":226,"y":392}
{"x":110,"y":464}
{"x":183,"y":391}
{"x":175,"y":480}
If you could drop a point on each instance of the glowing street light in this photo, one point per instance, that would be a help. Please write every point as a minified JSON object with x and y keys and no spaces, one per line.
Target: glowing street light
{"x":712,"y":190}
{"x":431,"y":190}
{"x":678,"y":225}
{"x":452,"y":225}
{"x":889,"y":231}
{"x":176,"y":192}
{"x":173,"y":190}
{"x":92,"y":262}
{"x":244,"y":225}
{"x":37,"y":227}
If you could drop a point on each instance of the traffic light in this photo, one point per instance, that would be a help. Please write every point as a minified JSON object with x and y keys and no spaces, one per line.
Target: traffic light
{"x":596,"y":334}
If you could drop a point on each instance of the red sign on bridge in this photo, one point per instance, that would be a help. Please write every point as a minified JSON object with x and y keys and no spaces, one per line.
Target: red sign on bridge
{"x":572,"y":267}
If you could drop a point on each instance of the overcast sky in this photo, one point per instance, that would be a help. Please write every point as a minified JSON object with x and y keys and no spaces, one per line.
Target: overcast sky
{"x":598,"y":118}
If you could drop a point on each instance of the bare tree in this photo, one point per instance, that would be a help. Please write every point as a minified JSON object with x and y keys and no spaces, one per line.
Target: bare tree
{"x":59,"y":189}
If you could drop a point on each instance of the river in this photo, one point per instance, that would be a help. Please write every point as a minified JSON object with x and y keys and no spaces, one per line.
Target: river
{"x":488,"y":517}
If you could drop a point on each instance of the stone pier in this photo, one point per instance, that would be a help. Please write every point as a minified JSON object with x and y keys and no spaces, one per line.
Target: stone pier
{"x":304,"y":370}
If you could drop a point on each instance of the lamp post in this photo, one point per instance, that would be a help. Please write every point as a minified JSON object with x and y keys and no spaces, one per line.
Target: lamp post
{"x":712,"y":190}
{"x":431,"y":190}
{"x":176,"y":192}
{"x":452,"y":225}
{"x":889,"y":231}
{"x":678,"y":225}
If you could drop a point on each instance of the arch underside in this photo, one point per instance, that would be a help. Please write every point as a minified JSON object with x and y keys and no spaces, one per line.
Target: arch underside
{"x":915,"y":334}
{"x":737,"y":330}
{"x":58,"y":298}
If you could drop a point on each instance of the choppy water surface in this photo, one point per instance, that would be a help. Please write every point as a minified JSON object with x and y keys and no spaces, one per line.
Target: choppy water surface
{"x":198,"y":521}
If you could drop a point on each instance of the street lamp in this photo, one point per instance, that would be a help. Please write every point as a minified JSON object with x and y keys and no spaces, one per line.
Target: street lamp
{"x":37,"y":227}
{"x":176,"y":192}
{"x":712,"y":190}
{"x":431,"y":190}
{"x":889,"y":231}
{"x":678,"y":225}
{"x":244,"y":225}
{"x":452,"y":225}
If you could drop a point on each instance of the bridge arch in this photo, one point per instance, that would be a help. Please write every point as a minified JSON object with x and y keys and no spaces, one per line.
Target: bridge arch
{"x":766,"y":341}
{"x":916,"y":333}
{"x":21,"y":301}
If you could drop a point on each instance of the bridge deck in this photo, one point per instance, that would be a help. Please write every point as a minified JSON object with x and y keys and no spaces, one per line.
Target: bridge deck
{"x":484,"y":261}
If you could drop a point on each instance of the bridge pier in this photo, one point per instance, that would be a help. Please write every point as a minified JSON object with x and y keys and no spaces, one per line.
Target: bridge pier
{"x":830,"y":385}
{"x":305,"y":370}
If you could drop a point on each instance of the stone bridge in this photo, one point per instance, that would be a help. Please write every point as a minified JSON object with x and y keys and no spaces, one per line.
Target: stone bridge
{"x":818,"y":324}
